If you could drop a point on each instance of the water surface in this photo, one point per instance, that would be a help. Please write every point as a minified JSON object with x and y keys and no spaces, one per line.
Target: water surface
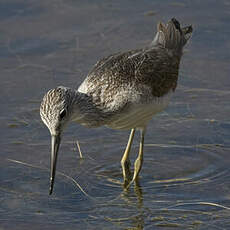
{"x":184,"y":183}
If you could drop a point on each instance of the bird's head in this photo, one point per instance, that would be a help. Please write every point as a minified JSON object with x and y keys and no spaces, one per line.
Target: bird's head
{"x":55,"y":112}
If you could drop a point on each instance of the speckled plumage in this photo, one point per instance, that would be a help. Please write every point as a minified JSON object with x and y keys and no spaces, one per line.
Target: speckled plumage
{"x":122,"y":91}
{"x":132,"y":78}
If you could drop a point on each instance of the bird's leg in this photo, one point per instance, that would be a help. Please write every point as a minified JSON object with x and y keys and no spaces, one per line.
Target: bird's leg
{"x":139,"y":160}
{"x":125,"y":162}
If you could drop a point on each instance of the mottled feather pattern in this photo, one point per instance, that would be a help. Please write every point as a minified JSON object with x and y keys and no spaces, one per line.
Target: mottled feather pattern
{"x":124,"y":82}
{"x":150,"y":72}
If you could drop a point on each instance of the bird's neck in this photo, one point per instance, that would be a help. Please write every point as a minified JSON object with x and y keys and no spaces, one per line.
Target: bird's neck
{"x":84,"y":110}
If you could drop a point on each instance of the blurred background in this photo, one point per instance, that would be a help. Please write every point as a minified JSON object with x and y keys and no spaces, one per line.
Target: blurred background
{"x":184,"y":183}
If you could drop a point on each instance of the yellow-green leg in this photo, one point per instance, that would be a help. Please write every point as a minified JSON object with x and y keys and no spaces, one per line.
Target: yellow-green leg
{"x":125,"y":162}
{"x":139,"y":160}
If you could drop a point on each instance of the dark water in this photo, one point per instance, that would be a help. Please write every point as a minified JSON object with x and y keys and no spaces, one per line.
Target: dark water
{"x":185,"y":181}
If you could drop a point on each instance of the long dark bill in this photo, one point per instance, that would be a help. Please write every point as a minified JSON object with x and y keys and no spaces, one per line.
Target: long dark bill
{"x":55,"y":143}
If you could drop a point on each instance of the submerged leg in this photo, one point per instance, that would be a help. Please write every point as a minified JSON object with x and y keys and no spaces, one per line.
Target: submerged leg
{"x":139,"y":160}
{"x":125,"y":163}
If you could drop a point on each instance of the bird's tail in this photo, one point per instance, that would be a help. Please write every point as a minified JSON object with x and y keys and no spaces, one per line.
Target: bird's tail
{"x":171,"y":35}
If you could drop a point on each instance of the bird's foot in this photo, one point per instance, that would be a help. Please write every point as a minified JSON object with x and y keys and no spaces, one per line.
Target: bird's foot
{"x":126,"y":171}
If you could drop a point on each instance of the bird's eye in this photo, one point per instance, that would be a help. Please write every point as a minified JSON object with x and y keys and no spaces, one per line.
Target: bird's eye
{"x":62,"y":114}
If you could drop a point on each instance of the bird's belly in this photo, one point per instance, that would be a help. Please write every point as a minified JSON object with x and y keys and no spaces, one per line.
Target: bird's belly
{"x":138,"y":115}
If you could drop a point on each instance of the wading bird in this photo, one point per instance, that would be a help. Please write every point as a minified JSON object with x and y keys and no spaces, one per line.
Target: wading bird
{"x":122,"y":91}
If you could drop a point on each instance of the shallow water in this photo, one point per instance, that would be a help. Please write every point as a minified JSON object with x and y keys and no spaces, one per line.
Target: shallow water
{"x":184,"y":183}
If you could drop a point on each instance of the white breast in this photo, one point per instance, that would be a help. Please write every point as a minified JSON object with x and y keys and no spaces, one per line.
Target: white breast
{"x":138,"y":115}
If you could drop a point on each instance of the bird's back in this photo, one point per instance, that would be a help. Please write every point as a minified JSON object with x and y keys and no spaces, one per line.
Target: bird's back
{"x":136,"y":74}
{"x":137,"y":77}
